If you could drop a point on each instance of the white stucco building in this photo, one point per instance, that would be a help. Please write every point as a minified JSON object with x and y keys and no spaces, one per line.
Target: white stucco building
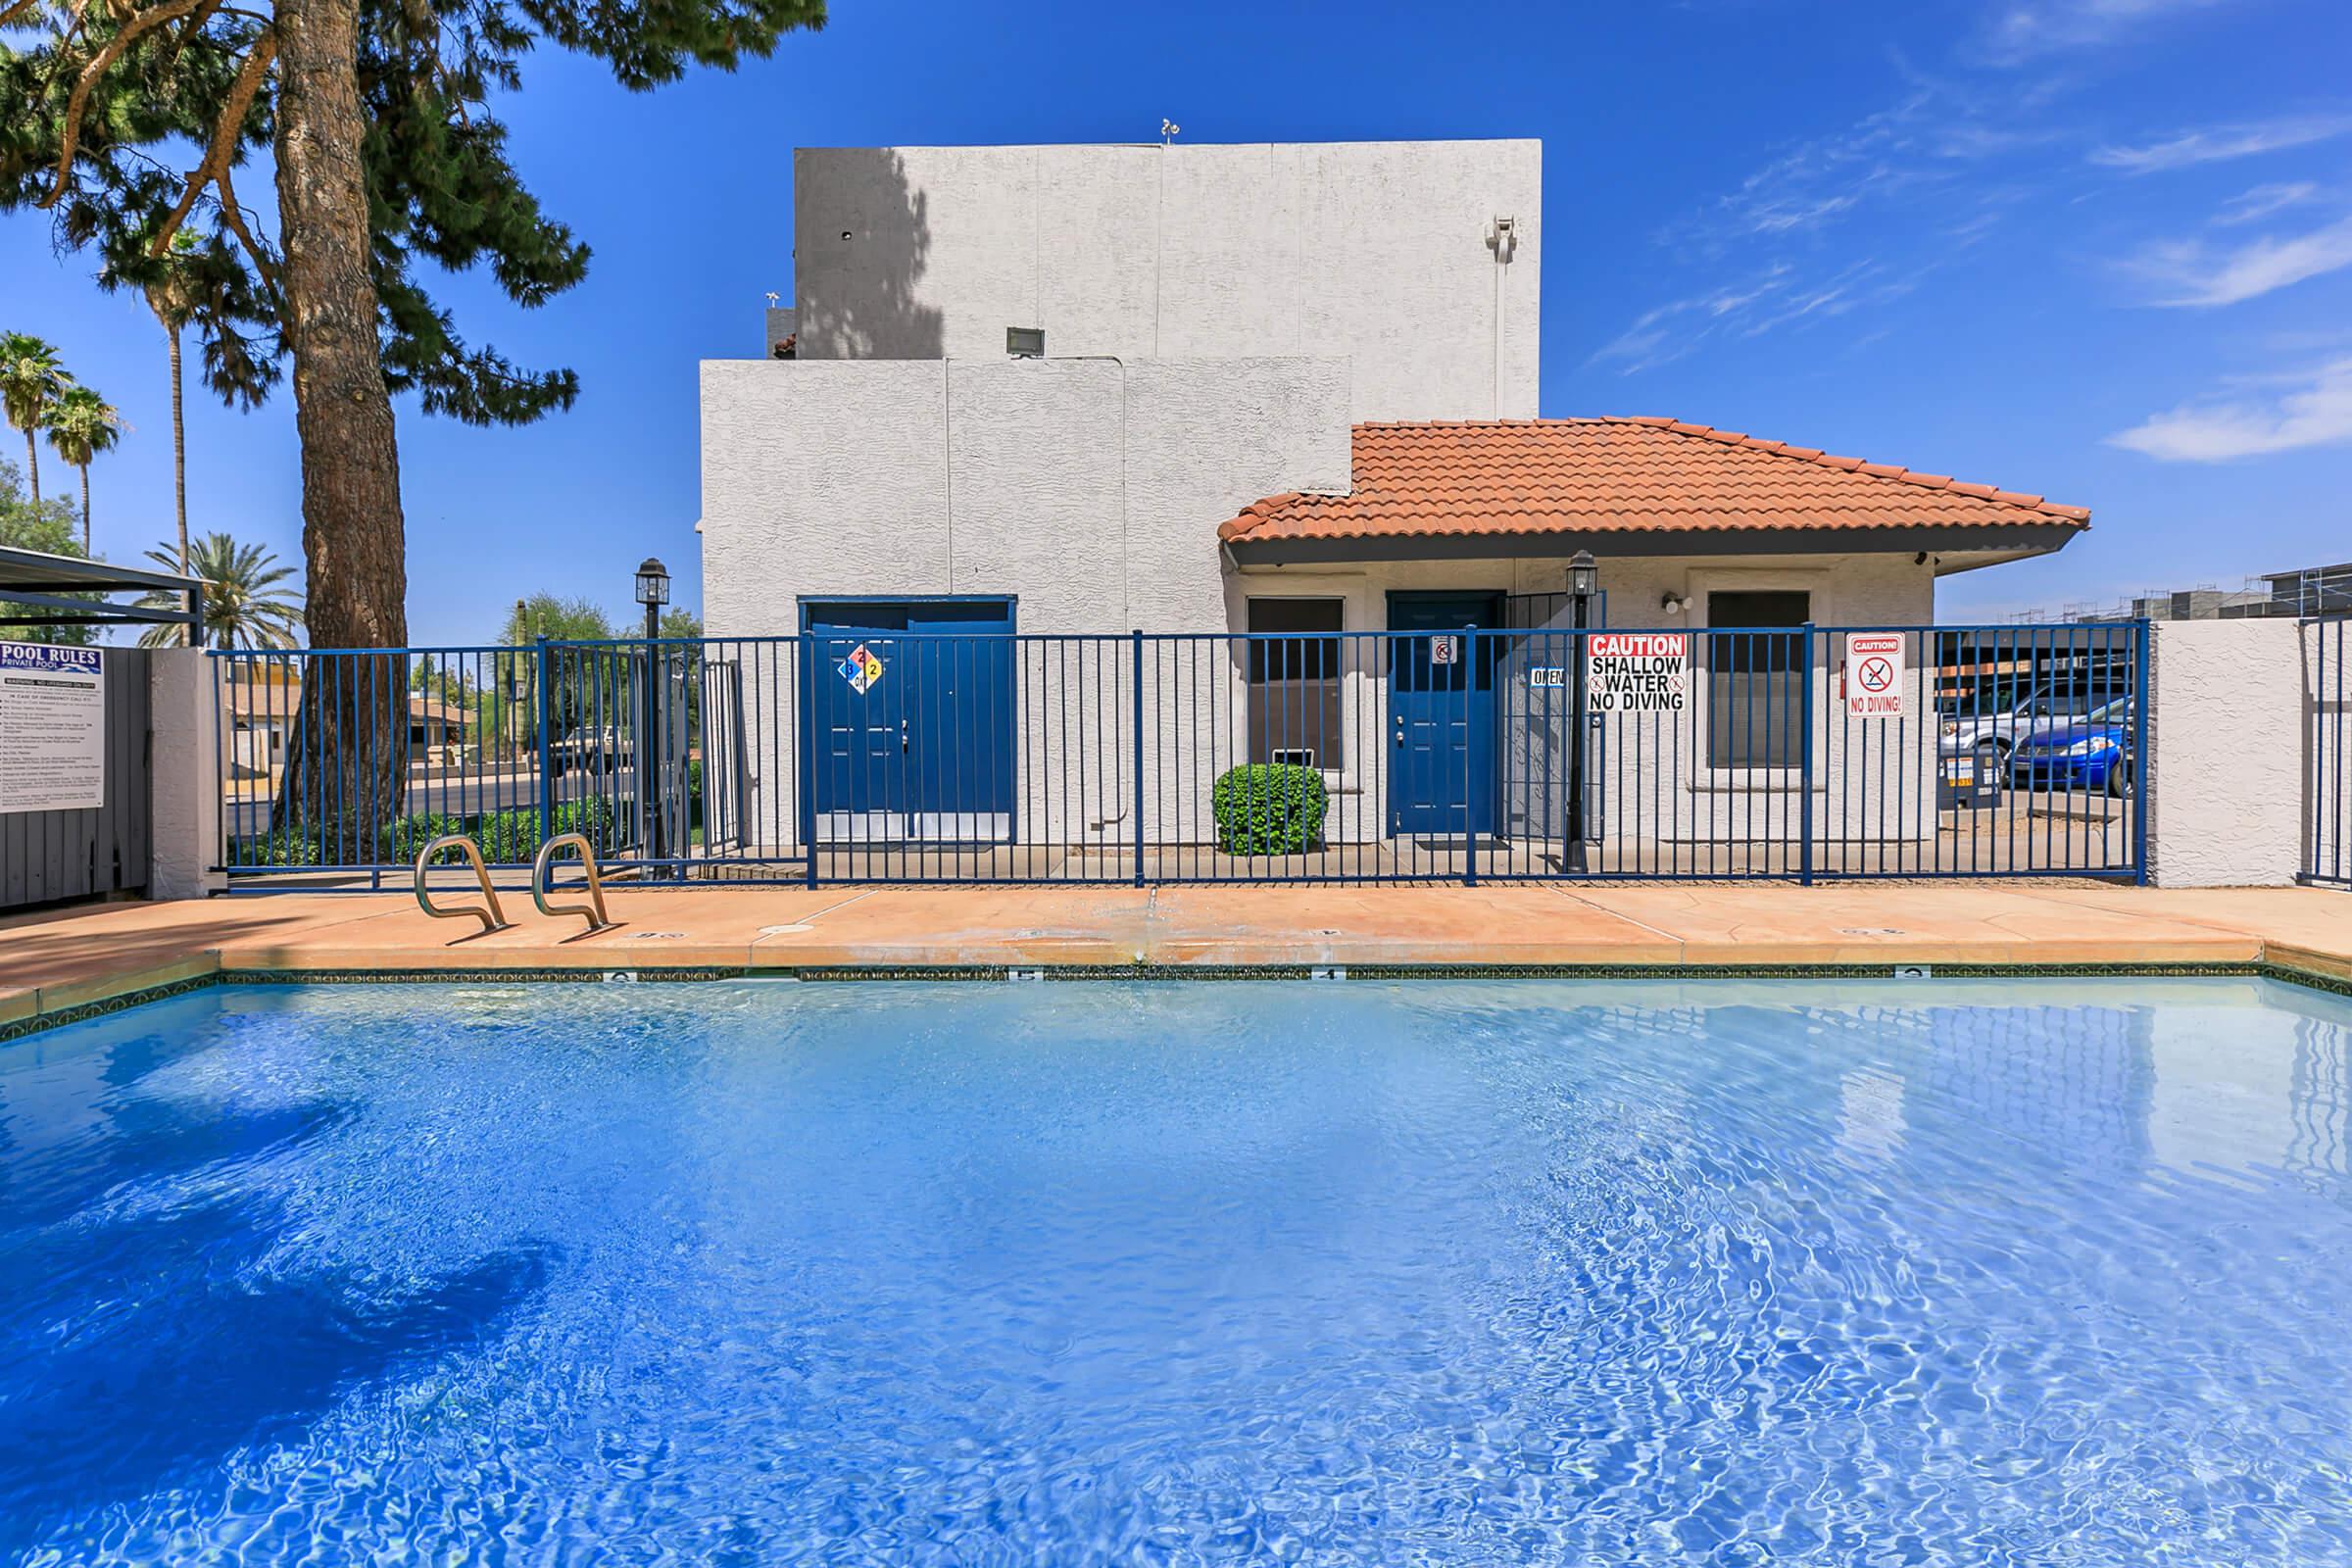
{"x":1274,"y":389}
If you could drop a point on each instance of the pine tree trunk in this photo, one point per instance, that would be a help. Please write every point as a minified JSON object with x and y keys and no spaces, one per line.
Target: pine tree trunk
{"x":179,"y":474}
{"x":352,"y":729}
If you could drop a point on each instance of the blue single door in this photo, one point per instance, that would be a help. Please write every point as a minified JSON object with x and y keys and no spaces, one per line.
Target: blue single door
{"x":961,"y":713}
{"x":1441,"y":714}
{"x":859,"y":711}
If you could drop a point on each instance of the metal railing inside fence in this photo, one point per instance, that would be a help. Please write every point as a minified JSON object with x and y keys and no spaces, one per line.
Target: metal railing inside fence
{"x":2328,"y":824}
{"x":1796,"y":752}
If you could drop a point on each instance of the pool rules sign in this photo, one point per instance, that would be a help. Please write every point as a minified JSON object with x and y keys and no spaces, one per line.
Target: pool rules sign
{"x":52,"y":728}
{"x":1637,"y":671}
{"x":1873,"y":674}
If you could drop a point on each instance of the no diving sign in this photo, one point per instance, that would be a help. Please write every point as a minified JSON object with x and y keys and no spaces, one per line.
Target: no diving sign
{"x":1873,"y":674}
{"x":1637,"y":671}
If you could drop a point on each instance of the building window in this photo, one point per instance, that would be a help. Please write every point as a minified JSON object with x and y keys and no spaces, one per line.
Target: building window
{"x":1295,"y":682}
{"x":1755,"y":696}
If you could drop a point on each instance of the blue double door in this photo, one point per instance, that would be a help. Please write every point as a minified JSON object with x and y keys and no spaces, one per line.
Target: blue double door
{"x":1441,"y":714}
{"x":911,"y":719}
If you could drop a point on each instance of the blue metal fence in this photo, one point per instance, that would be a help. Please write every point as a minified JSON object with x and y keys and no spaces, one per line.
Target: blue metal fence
{"x":2327,"y":835}
{"x":1795,"y":753}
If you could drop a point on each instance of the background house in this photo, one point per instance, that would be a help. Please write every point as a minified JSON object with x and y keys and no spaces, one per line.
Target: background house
{"x":1273,"y":389}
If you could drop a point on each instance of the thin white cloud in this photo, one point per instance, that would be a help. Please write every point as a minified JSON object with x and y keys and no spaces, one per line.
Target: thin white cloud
{"x":1934,"y":172}
{"x":1772,"y":300}
{"x":1811,"y":183}
{"x":2314,"y":412}
{"x":2222,"y":143}
{"x":2263,"y":200}
{"x":1666,"y":334}
{"x":2027,"y":30}
{"x":2192,"y":273}
{"x":1926,"y":147}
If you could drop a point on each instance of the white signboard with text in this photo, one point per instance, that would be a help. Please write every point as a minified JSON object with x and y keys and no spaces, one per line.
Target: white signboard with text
{"x":52,"y":728}
{"x":1873,"y":674}
{"x":1637,"y":671}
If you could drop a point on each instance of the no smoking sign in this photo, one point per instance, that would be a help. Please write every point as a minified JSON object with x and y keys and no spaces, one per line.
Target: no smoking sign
{"x":1873,"y":674}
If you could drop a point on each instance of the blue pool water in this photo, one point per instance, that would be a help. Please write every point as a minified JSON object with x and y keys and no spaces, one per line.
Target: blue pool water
{"x":1973,"y":1273}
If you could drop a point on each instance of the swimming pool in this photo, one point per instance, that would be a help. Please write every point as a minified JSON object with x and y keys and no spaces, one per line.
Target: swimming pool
{"x":2045,"y":1272}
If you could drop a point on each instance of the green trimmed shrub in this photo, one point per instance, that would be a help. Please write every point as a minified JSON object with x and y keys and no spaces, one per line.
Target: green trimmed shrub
{"x":283,"y":846}
{"x":1269,"y":809}
{"x":505,"y":838}
{"x":402,"y":840}
{"x":509,"y":838}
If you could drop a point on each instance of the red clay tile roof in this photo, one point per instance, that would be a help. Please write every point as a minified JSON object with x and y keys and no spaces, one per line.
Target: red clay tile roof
{"x":1620,"y":475}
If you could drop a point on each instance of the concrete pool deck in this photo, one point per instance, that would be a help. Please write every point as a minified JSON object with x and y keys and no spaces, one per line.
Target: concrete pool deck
{"x":54,"y":964}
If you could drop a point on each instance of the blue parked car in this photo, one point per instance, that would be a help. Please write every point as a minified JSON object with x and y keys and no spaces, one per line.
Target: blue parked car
{"x":2087,"y":751}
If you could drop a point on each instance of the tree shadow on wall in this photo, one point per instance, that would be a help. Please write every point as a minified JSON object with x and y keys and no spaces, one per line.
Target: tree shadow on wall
{"x":881,"y":232}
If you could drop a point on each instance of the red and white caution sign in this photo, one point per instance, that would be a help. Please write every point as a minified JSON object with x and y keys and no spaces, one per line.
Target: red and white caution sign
{"x":1875,"y":684}
{"x":1637,"y":671}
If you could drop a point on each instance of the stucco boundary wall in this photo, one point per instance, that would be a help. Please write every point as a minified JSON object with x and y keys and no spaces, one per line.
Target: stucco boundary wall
{"x":183,"y":749}
{"x":2229,"y":726}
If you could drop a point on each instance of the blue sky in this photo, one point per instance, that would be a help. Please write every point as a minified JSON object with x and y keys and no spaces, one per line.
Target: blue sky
{"x":2098,"y":249}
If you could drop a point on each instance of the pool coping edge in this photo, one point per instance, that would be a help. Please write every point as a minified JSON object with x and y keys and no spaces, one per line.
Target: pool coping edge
{"x":87,"y":999}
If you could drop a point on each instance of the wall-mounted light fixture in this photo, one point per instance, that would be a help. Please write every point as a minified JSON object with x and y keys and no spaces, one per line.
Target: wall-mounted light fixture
{"x":1026,"y":342}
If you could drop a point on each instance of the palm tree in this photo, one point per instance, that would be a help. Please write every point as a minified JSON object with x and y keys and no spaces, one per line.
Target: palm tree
{"x":245,"y":604}
{"x":184,"y":285}
{"x":32,"y":378}
{"x":82,"y":425}
{"x":173,"y":297}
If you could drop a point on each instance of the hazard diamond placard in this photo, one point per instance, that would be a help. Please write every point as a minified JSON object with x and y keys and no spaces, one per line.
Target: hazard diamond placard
{"x":1873,"y":674}
{"x":862,"y":668}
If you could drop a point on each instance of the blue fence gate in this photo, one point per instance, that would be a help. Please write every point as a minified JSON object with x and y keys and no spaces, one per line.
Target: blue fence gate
{"x":879,"y":748}
{"x":2327,"y":749}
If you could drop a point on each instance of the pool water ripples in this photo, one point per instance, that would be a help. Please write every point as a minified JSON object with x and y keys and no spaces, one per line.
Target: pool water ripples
{"x":1974,"y":1272}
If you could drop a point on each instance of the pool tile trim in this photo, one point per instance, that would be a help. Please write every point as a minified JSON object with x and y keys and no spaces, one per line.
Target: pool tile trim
{"x":137,"y":995}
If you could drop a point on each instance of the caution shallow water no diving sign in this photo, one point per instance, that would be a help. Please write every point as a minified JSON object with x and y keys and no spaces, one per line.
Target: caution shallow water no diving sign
{"x":1637,"y":671}
{"x":1873,"y":674}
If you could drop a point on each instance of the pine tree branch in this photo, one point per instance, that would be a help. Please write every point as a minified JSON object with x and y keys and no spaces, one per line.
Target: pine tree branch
{"x":234,"y":216}
{"x":193,"y":27}
{"x":70,"y":136}
{"x":67,"y":32}
{"x":227,"y":131}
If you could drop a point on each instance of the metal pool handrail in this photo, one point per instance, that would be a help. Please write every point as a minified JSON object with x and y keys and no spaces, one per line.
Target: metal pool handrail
{"x":493,"y":918}
{"x":592,"y":911}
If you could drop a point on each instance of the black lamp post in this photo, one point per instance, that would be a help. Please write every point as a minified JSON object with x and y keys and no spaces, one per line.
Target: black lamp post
{"x":652,"y":592}
{"x":513,"y":737}
{"x":1584,"y":581}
